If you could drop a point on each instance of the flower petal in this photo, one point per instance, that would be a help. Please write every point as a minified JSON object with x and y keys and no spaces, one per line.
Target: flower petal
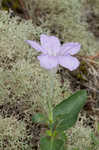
{"x":48,"y":62}
{"x":68,"y":62}
{"x":50,"y":43}
{"x":70,"y":48}
{"x":35,"y":45}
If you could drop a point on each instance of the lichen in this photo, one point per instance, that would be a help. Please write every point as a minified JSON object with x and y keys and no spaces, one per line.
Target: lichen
{"x":67,"y":20}
{"x":80,"y":136}
{"x":12,"y":133}
{"x":21,"y":76}
{"x":94,"y":4}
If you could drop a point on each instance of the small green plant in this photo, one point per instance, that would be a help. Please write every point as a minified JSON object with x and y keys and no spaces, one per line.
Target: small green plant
{"x":63,"y":115}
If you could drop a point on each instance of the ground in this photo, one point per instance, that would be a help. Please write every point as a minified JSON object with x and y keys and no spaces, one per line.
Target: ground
{"x":21,"y":76}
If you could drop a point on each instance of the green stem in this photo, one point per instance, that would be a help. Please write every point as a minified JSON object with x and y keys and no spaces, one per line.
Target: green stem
{"x":50,"y":101}
{"x":52,"y":140}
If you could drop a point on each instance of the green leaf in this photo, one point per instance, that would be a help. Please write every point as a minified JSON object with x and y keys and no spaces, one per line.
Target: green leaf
{"x":47,"y":144}
{"x":39,"y":118}
{"x":65,"y":114}
{"x":67,"y":122}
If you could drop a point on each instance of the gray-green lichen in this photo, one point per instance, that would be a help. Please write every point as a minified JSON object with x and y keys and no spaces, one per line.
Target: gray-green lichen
{"x":94,"y":4}
{"x":12,"y":133}
{"x":80,"y":136}
{"x":21,"y":76}
{"x":67,"y":20}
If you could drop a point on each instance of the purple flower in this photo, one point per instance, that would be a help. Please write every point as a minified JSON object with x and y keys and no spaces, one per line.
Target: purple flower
{"x":54,"y":54}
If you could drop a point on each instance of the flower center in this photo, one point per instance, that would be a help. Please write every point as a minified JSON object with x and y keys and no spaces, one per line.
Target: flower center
{"x":52,"y":53}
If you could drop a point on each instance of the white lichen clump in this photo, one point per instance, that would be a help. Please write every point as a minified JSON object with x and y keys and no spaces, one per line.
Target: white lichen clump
{"x":12,"y":133}
{"x":21,"y":76}
{"x":67,"y":20}
{"x":79,"y":137}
